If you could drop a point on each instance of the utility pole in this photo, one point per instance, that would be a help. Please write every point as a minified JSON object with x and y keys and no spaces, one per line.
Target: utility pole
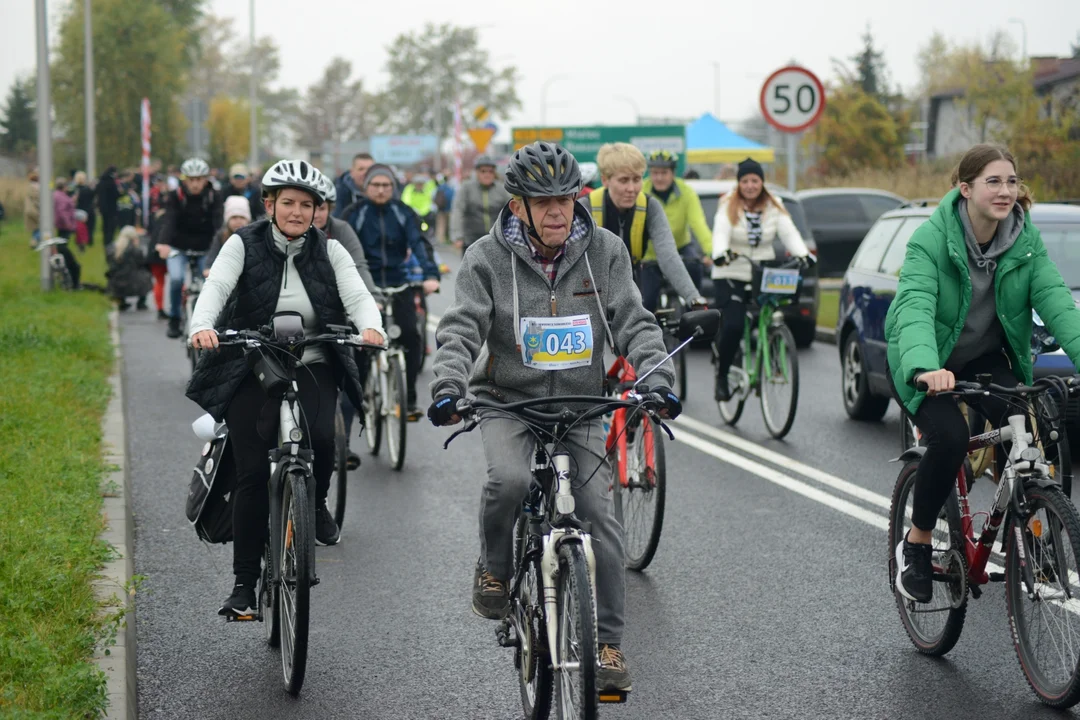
{"x":88,"y":92}
{"x":44,"y":139}
{"x":253,"y":155}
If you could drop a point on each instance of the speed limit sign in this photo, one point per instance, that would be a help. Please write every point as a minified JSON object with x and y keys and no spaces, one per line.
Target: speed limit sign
{"x":792,"y":99}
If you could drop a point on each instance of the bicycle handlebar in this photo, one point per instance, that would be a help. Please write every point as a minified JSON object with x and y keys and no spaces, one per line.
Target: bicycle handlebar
{"x":256,"y":338}
{"x":964,"y":388}
{"x":651,"y":402}
{"x":795,"y":262}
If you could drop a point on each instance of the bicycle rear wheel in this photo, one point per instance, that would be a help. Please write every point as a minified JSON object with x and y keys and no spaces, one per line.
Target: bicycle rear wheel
{"x":779,"y":381}
{"x":575,"y":680}
{"x":1046,"y":628}
{"x":373,"y":401}
{"x":732,"y":408}
{"x":297,"y":569}
{"x":531,"y":657}
{"x":335,"y":498}
{"x":934,"y":627}
{"x":640,"y":504}
{"x":397,"y":411}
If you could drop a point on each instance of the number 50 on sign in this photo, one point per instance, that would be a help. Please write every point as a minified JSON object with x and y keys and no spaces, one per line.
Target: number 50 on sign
{"x":792,"y":99}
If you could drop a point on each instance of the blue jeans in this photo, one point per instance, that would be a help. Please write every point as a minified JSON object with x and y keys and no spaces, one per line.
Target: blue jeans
{"x":651,"y":278}
{"x":177,"y":266}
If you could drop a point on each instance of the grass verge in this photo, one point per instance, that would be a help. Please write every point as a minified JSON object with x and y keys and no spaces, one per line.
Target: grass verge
{"x":55,"y":359}
{"x":828,"y":308}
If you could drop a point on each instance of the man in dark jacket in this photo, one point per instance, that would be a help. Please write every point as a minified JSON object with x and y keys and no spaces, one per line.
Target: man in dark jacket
{"x":239,"y":184}
{"x":350,"y":183}
{"x":192,"y":216}
{"x":108,"y":194}
{"x":388,"y":232}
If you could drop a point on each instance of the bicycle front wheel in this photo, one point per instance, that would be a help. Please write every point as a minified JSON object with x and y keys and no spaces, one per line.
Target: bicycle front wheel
{"x":397,"y":411}
{"x":575,"y":680}
{"x":335,"y":497}
{"x":297,"y":569}
{"x":531,"y":657}
{"x":373,"y":401}
{"x":1046,"y":623}
{"x":641,"y":501}
{"x":268,"y":602}
{"x":779,"y":381}
{"x":732,"y":408}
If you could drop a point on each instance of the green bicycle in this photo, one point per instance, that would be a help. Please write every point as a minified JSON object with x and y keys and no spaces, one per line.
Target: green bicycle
{"x":769,"y":368}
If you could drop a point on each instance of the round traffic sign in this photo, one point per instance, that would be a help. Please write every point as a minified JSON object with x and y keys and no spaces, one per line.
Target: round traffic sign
{"x":792,"y":99}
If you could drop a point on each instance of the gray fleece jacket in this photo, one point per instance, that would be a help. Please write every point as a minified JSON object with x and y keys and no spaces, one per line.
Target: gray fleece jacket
{"x":982,"y":333}
{"x":500,"y":282}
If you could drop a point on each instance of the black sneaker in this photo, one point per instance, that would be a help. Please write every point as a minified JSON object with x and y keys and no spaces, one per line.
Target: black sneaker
{"x":490,"y":598}
{"x":141,"y":304}
{"x":326,"y":530}
{"x":614,"y":673}
{"x":414,"y":413}
{"x":174,"y":328}
{"x":162,"y":315}
{"x":721,"y":393}
{"x":242,"y":601}
{"x":914,"y":571}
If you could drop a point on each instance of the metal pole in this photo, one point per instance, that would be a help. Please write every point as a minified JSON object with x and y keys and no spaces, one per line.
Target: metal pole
{"x":253,"y":159}
{"x":88,"y":92}
{"x":197,"y":126}
{"x":792,"y":161}
{"x":1023,"y":29}
{"x":543,"y":97}
{"x":716,"y":89}
{"x":438,"y":125}
{"x":44,"y":138}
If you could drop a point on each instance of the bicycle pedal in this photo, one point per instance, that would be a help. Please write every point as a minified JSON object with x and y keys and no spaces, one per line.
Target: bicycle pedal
{"x":257,"y":617}
{"x":613,"y":696}
{"x":997,"y":577}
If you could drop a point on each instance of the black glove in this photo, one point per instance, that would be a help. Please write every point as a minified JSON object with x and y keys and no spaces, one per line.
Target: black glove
{"x":807,"y":262}
{"x":671,"y":402}
{"x":724,"y":259}
{"x":443,"y":410}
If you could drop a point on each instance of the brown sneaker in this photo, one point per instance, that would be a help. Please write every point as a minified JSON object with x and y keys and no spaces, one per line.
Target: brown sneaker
{"x":490,"y":598}
{"x":614,"y":672}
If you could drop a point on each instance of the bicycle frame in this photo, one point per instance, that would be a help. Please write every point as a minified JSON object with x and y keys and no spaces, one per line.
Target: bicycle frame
{"x":622,"y":374}
{"x":769,"y":316}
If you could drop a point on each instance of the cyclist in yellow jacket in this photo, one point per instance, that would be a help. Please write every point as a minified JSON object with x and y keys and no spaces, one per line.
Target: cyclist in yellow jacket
{"x":623,"y":208}
{"x":684,"y":213}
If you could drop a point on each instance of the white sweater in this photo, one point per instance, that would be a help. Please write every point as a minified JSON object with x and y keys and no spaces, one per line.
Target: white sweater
{"x":727,"y":237}
{"x":225,"y":273}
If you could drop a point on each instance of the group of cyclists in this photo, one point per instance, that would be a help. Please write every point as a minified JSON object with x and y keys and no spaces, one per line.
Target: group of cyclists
{"x":539,"y":250}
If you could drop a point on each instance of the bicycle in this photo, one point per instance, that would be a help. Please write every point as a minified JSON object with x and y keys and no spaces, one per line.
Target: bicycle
{"x":190,"y":296}
{"x":288,"y":564}
{"x":552,"y":620}
{"x":668,"y":311}
{"x":770,"y":366}
{"x":639,"y":482}
{"x":386,"y":401}
{"x":1030,"y":505}
{"x":59,"y":273}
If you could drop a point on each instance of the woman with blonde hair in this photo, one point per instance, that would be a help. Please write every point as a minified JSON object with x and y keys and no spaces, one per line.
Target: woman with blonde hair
{"x":747,"y":221}
{"x":128,"y":274}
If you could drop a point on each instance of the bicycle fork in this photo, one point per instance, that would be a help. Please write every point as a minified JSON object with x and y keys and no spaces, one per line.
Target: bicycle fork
{"x":549,"y":561}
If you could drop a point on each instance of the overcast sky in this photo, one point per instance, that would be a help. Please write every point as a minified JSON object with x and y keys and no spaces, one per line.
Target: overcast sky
{"x":659,"y":54}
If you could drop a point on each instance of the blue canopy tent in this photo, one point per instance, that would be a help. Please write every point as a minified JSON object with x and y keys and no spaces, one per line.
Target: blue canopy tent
{"x":710,"y":141}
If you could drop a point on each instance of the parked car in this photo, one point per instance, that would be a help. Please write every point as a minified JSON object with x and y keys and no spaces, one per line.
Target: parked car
{"x":801,"y":317}
{"x":839,"y":218}
{"x":870,"y":285}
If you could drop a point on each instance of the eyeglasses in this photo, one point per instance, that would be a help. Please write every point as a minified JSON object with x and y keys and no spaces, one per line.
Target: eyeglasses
{"x":380,"y":186}
{"x":993,"y":184}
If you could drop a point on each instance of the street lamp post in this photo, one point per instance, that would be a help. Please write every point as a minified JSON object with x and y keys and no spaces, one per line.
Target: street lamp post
{"x":88,"y":91}
{"x":44,"y":139}
{"x":253,"y":153}
{"x":1023,"y":36}
{"x":543,"y":96}
{"x":716,"y":89}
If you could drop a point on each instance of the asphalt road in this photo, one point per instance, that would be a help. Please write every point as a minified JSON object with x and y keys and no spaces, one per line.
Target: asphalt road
{"x":768,"y":597}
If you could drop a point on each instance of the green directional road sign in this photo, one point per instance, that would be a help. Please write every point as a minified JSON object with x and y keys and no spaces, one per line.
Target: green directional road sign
{"x":584,"y":142}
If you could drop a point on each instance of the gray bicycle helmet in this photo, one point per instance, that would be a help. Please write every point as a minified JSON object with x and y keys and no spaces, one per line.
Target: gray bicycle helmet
{"x":327,"y":188}
{"x":194,"y":167}
{"x":543,"y":169}
{"x":297,"y":174}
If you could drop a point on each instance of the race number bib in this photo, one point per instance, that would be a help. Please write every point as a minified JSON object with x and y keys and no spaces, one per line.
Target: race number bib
{"x":556,"y":343}
{"x":776,"y":281}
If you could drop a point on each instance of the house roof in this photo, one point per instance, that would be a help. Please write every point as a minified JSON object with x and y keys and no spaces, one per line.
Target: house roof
{"x":1049,"y":72}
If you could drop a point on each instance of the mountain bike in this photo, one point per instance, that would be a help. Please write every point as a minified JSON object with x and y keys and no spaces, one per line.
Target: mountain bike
{"x":288,"y":564}
{"x":767,"y":362}
{"x":190,"y":296}
{"x":386,"y":399}
{"x":1041,"y":547}
{"x":668,"y":311}
{"x":636,"y":449}
{"x":59,"y":272}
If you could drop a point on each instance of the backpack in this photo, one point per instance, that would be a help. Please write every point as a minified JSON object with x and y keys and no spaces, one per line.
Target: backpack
{"x":209,"y":501}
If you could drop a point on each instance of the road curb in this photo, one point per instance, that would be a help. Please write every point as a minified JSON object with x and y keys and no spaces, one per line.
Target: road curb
{"x":825,"y":335}
{"x":112,"y":587}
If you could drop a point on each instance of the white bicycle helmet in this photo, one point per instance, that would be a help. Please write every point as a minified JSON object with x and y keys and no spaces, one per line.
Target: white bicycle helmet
{"x":327,"y":188}
{"x":590,"y":173}
{"x":194,"y":167}
{"x":298,"y":174}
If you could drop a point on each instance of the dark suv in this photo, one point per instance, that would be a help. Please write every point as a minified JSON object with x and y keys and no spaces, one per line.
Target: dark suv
{"x":840,"y":218}
{"x":801,"y":317}
{"x":870,"y":286}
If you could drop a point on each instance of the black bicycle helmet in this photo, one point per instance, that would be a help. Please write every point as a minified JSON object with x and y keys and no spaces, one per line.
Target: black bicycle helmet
{"x":663,"y":159}
{"x":543,"y":169}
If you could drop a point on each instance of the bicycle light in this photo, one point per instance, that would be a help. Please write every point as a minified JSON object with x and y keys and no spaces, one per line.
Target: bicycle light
{"x":296,"y":435}
{"x":393,"y":332}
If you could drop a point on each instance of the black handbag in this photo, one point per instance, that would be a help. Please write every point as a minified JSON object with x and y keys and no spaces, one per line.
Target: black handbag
{"x":209,"y":501}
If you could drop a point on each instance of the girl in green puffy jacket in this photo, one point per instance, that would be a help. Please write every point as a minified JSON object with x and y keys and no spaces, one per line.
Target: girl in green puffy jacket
{"x":971,"y":277}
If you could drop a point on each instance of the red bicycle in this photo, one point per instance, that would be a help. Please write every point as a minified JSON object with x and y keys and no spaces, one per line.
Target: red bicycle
{"x":1041,"y":545}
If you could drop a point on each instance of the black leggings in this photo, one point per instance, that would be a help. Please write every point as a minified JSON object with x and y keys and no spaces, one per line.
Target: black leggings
{"x":405,"y":317}
{"x":945,"y":434}
{"x":251,"y":499}
{"x":730,"y":300}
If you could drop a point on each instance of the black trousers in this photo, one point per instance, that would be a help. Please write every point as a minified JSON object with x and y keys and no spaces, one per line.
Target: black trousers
{"x":405,"y":317}
{"x":731,"y":301}
{"x":108,"y":227}
{"x":251,"y":499}
{"x":945,"y":435}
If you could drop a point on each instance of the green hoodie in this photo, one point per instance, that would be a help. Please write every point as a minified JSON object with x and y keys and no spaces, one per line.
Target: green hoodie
{"x":934,"y":294}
